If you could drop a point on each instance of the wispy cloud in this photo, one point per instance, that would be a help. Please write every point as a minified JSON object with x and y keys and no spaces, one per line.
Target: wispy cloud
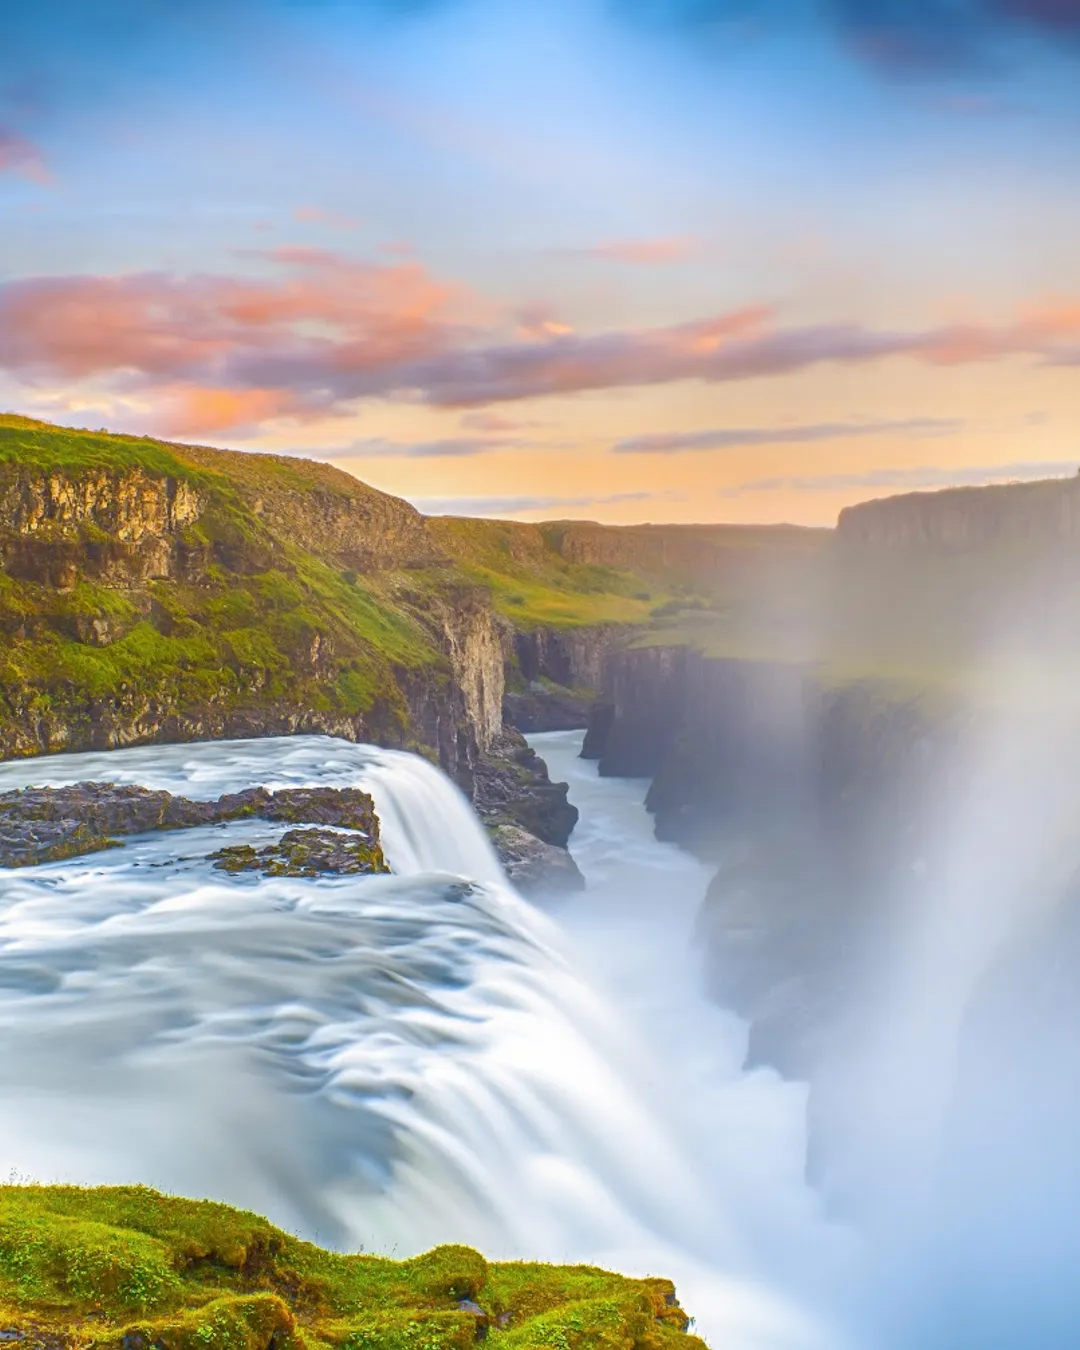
{"x":488,"y":421}
{"x":453,"y":447}
{"x":645,"y":252}
{"x":922,"y":476}
{"x":316,"y":215}
{"x":731,"y":438}
{"x":510,"y":506}
{"x":20,"y":156}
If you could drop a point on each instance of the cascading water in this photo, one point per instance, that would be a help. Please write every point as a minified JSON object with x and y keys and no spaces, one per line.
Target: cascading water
{"x":399,"y":1061}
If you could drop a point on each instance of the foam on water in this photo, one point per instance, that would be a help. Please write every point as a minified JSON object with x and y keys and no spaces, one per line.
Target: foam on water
{"x":401,"y":1061}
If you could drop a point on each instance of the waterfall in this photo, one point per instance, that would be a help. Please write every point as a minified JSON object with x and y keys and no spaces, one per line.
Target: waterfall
{"x":392,"y":1061}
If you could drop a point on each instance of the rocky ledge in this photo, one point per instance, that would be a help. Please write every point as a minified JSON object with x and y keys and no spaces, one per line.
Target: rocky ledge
{"x":306,"y":853}
{"x":39,"y":825}
{"x":42,"y":825}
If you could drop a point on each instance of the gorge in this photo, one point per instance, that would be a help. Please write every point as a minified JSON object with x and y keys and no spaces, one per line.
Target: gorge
{"x":856,"y":750}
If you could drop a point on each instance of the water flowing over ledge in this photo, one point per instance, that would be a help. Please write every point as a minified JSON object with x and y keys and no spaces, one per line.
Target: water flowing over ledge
{"x":405,"y":1060}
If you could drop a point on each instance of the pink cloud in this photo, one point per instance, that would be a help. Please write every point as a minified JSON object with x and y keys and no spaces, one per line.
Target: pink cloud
{"x":316,"y":215}
{"x":322,"y":331}
{"x":20,"y":156}
{"x":487,"y":421}
{"x":647,"y":252}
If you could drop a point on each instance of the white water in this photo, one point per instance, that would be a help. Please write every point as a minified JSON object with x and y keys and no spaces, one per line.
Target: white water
{"x":399,"y":1061}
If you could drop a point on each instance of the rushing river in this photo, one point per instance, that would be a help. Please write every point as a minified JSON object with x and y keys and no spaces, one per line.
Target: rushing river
{"x":393,"y":1062}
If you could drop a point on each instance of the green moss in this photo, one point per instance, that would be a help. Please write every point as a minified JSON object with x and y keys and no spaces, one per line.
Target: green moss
{"x":96,"y":1266}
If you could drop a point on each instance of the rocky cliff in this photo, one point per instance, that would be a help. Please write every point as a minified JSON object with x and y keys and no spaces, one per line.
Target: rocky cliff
{"x":147,"y":595}
{"x":1043,"y":513}
{"x":152,"y":592}
{"x":816,"y":799}
{"x":688,"y":551}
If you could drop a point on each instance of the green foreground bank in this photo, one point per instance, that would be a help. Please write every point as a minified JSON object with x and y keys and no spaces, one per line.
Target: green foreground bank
{"x":126,"y":1268}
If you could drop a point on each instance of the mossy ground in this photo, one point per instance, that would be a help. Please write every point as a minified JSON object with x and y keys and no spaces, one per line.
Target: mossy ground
{"x":130,"y":1269}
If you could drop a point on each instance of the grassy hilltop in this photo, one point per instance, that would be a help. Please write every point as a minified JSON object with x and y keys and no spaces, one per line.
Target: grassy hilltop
{"x":154,"y":590}
{"x":125,"y":1268}
{"x":146,"y":584}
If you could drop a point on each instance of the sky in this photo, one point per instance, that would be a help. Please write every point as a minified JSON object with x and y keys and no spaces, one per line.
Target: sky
{"x":627,"y":260}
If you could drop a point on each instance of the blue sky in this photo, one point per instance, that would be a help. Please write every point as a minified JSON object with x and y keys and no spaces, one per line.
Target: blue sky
{"x":467,"y":248}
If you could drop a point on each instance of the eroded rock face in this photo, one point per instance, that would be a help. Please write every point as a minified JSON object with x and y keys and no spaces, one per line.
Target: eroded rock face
{"x":119,"y":527}
{"x":535,"y":868}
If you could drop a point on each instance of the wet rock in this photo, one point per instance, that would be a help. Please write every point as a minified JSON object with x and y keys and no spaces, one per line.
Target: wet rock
{"x":306,"y":853}
{"x":512,"y":787}
{"x":535,"y":868}
{"x":40,"y":825}
{"x":25,"y":843}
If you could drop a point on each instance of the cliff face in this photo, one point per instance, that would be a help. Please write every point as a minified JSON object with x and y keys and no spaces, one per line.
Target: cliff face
{"x":331,"y":513}
{"x":688,"y":550}
{"x":152,"y":592}
{"x":1044,"y":513}
{"x":555,"y":673}
{"x":121,"y":527}
{"x":816,"y":801}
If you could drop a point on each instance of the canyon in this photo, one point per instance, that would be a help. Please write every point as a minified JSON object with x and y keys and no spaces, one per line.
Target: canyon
{"x":799,"y":700}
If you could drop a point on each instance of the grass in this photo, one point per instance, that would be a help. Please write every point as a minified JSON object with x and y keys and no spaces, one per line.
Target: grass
{"x":28,"y":443}
{"x":534,"y":586}
{"x":126,"y":1268}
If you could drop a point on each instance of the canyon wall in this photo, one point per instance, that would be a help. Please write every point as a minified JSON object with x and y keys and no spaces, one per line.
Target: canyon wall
{"x":1044,"y":512}
{"x":816,"y":801}
{"x":689,"y":550}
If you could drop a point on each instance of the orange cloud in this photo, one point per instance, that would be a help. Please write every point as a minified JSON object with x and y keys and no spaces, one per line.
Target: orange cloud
{"x":164,"y":325}
{"x":648,"y":252}
{"x":198,"y":412}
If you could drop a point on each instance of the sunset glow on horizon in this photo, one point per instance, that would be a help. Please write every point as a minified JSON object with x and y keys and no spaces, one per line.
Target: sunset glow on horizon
{"x":624,"y":260}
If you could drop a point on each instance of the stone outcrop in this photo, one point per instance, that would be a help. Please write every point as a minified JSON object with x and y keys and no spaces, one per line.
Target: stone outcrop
{"x":535,"y":868}
{"x":118,"y":527}
{"x":48,"y":824}
{"x":512,"y":787}
{"x":305,"y":853}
